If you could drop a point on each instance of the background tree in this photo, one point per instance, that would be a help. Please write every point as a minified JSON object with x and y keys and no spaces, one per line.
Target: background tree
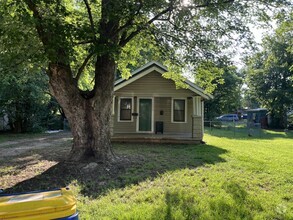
{"x":225,"y":83}
{"x":24,"y":101}
{"x":249,"y":99}
{"x":24,"y":92}
{"x":269,"y":72}
{"x":89,"y":39}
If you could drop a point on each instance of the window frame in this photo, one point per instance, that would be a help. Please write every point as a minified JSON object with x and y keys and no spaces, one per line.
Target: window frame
{"x":185,"y":110}
{"x":119,"y":109}
{"x":113,"y":105}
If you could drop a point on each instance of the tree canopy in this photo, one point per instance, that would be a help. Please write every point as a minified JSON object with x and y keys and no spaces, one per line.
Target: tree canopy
{"x":270,"y":73}
{"x":226,"y":91}
{"x":25,"y":101}
{"x":81,"y":44}
{"x":74,"y":32}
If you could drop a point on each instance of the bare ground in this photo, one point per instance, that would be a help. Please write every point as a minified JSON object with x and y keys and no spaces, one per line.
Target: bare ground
{"x":22,"y":159}
{"x":38,"y":163}
{"x":21,"y":146}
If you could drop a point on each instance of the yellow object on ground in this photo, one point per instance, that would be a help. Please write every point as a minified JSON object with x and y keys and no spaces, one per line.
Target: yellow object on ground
{"x":43,"y":205}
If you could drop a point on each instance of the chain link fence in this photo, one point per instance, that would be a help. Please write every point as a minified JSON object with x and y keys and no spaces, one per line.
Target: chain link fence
{"x":238,"y":128}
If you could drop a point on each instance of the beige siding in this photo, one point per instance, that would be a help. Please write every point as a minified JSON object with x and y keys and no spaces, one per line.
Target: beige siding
{"x":162,"y":90}
{"x":164,"y":104}
{"x":197,"y":129}
{"x":153,"y":85}
{"x":124,"y":127}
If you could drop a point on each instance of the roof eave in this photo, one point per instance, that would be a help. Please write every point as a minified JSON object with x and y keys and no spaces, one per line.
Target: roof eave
{"x":199,"y":90}
{"x":141,"y":69}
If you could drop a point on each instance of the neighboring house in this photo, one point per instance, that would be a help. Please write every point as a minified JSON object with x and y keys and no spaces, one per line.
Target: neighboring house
{"x":148,"y":108}
{"x":257,"y":117}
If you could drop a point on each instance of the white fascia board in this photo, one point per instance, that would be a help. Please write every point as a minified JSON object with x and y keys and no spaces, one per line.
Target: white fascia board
{"x":146,"y":66}
{"x":198,"y":90}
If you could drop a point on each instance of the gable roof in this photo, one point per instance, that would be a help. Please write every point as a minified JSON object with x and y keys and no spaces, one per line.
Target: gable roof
{"x":155,"y":66}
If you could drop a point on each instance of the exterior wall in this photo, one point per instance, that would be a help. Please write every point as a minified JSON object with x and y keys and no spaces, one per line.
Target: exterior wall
{"x":164,"y":104}
{"x":162,"y":91}
{"x":198,"y":129}
{"x":153,"y":85}
{"x":125,"y":126}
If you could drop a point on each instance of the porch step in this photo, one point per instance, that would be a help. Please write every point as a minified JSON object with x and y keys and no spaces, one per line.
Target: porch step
{"x":164,"y":140}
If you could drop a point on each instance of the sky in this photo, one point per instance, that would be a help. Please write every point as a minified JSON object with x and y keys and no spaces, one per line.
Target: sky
{"x":258,"y":34}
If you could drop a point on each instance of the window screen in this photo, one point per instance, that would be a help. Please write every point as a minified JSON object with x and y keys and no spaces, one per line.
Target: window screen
{"x":179,"y":110}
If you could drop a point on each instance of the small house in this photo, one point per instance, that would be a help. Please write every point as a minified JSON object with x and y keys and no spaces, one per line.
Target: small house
{"x":149,"y":108}
{"x":257,"y":117}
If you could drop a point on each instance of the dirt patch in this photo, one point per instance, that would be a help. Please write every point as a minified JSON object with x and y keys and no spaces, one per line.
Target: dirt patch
{"x":39,"y":164}
{"x":23,"y":159}
{"x":21,"y":146}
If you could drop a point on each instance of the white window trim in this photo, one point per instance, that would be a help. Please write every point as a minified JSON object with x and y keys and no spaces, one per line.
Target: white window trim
{"x":113,"y":105}
{"x":172,"y":111}
{"x":153,"y":115}
{"x":132,"y":106}
{"x":202,"y":119}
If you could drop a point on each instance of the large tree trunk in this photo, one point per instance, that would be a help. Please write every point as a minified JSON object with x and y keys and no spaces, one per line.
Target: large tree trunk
{"x":88,"y":114}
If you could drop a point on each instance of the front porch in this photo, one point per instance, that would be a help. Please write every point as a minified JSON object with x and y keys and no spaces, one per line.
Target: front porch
{"x":185,"y":138}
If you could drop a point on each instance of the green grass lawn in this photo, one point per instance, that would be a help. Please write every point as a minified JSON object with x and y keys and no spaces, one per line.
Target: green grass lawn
{"x":230,"y":177}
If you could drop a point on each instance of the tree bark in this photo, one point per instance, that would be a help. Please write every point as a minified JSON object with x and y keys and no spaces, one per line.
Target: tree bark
{"x":89,"y":117}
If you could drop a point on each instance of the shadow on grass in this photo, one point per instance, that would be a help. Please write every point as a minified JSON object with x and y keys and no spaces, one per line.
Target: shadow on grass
{"x":240,"y":206}
{"x":136,"y":163}
{"x":243,"y":133}
{"x":236,"y":204}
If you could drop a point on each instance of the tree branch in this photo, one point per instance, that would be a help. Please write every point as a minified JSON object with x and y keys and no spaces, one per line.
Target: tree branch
{"x":130,"y":20}
{"x":83,"y":65}
{"x":39,"y":26}
{"x":56,"y":54}
{"x":176,"y":27}
{"x":208,"y":3}
{"x":125,"y":40}
{"x":84,"y":42}
{"x":90,"y":18}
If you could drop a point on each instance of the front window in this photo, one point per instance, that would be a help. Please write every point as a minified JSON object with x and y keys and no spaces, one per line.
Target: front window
{"x":179,"y":110}
{"x":125,"y":109}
